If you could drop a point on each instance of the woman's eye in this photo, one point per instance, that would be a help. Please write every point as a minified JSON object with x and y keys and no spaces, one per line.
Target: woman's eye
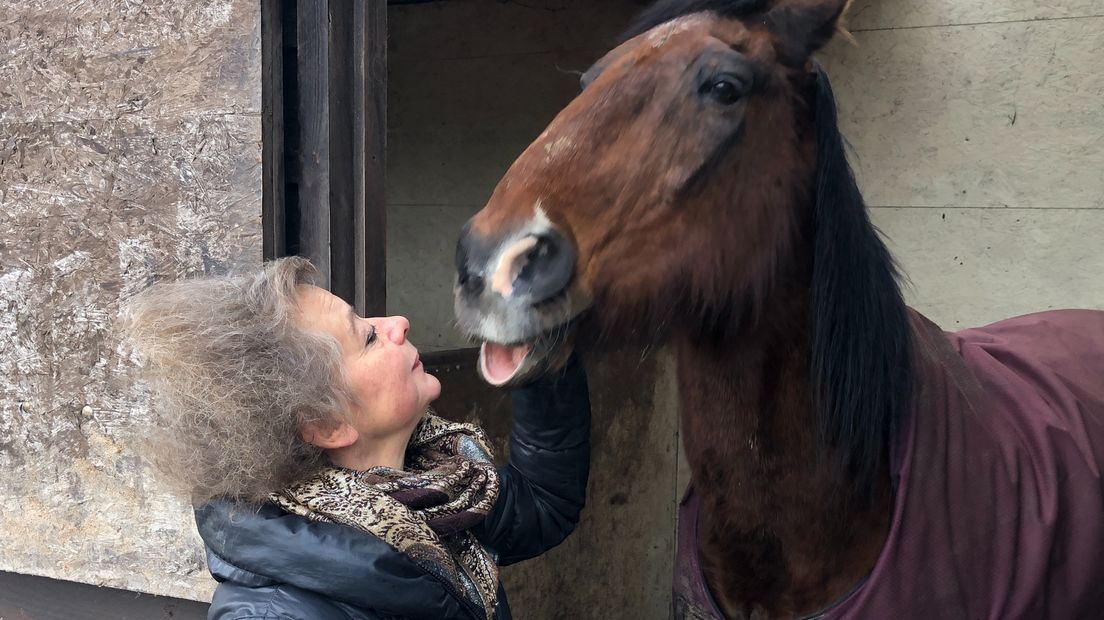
{"x":371,"y":337}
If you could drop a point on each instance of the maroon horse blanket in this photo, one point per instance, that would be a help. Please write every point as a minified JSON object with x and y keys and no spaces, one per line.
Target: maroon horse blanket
{"x":999,"y":497}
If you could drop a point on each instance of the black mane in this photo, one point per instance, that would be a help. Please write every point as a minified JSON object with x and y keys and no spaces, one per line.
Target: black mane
{"x":665,"y":10}
{"x":861,"y":349}
{"x":861,"y":340}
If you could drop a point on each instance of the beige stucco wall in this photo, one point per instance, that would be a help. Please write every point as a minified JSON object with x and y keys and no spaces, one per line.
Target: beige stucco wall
{"x":129,"y":152}
{"x":978,"y":130}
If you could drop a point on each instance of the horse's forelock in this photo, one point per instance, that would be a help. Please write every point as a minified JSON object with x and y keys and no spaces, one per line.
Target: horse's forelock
{"x":667,"y":10}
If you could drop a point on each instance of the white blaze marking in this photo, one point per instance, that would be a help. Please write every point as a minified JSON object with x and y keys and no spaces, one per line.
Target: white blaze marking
{"x":541,"y":223}
{"x":510,"y":264}
{"x":556,"y":148}
{"x":660,"y":34}
{"x":511,"y":257}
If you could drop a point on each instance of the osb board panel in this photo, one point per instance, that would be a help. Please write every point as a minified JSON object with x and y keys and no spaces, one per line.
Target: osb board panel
{"x":969,"y":267}
{"x":871,"y":14}
{"x":98,"y":199}
{"x":977,"y":116}
{"x":98,"y":59}
{"x":618,"y":561}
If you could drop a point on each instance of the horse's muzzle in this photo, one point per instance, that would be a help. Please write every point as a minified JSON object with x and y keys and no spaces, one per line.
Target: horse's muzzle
{"x":529,"y":267}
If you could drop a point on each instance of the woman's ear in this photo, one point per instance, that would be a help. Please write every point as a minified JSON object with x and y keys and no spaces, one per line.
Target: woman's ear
{"x":329,"y":435}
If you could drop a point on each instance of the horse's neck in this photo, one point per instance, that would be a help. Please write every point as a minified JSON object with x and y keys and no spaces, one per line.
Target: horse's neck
{"x":777,"y":532}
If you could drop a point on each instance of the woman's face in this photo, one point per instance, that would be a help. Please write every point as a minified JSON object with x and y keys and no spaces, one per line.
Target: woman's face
{"x":386,"y":376}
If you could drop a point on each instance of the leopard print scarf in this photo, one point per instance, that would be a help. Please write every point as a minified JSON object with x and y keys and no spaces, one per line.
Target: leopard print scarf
{"x":447,"y":486}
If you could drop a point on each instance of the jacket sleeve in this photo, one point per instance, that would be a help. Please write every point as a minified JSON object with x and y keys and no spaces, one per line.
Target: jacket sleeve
{"x":543,"y":487}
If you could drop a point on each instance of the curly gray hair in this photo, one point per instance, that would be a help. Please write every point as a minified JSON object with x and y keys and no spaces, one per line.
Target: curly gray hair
{"x":234,"y":379}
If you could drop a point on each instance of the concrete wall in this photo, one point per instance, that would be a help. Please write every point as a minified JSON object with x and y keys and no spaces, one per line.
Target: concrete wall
{"x":129,"y":152}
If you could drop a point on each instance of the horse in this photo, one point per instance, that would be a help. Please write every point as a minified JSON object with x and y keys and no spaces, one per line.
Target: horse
{"x":848,"y":457}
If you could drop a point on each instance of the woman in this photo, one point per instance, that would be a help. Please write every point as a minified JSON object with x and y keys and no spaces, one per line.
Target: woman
{"x":325,"y":490}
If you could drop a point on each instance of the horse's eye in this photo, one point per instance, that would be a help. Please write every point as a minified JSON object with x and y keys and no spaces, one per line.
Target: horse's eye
{"x":724,"y":91}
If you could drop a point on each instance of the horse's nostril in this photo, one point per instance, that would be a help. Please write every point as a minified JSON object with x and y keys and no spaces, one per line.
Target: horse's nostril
{"x":469,"y":280}
{"x":537,"y":258}
{"x":473,"y":284}
{"x":470,"y":283}
{"x":546,"y":268}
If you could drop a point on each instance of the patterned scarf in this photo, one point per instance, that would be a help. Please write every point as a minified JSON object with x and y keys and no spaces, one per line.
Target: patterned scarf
{"x":448,"y":485}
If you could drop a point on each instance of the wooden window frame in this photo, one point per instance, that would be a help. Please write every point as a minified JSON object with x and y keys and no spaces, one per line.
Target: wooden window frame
{"x":324,"y":141}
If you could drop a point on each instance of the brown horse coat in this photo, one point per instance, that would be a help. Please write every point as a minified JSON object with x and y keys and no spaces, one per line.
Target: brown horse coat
{"x":999,"y":509}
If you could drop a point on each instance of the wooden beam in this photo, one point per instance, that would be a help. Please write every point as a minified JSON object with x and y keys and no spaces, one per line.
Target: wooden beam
{"x":272,"y":131}
{"x":342,"y":114}
{"x":27,"y":597}
{"x":343,"y":145}
{"x":370,"y":156}
{"x":313,"y":28}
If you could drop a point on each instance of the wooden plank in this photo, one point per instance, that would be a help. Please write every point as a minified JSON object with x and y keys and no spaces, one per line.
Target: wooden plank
{"x":25,"y":597}
{"x":341,"y":145}
{"x":272,"y":130}
{"x":342,"y":73}
{"x":370,"y":156}
{"x":314,"y":130}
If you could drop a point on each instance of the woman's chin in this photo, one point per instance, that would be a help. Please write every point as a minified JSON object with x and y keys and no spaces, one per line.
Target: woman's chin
{"x":432,"y":388}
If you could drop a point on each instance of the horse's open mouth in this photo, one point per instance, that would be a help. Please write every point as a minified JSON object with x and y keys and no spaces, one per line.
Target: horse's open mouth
{"x":503,"y":365}
{"x":499,"y":363}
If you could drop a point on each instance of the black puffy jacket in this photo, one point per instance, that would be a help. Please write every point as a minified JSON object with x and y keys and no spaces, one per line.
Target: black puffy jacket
{"x":274,"y":565}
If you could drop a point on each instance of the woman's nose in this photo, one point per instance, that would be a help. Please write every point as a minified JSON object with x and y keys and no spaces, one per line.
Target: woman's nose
{"x":397,"y":326}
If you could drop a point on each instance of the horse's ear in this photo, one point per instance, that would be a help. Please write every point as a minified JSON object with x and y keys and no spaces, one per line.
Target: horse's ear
{"x":602,"y":63}
{"x":597,"y":68}
{"x":802,"y":27}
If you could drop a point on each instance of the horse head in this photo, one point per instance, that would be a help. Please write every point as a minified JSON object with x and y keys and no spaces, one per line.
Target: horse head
{"x":662,"y":192}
